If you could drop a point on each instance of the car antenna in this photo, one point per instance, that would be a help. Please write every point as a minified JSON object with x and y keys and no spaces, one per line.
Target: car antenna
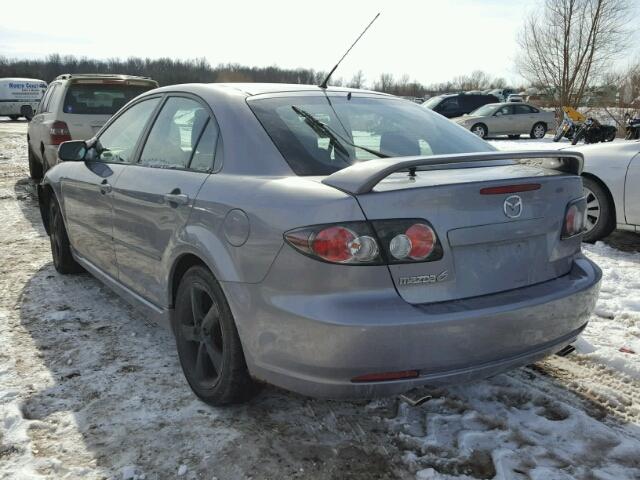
{"x":323,"y":85}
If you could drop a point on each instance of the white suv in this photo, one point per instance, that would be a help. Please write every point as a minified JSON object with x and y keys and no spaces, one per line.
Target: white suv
{"x":75,"y":107}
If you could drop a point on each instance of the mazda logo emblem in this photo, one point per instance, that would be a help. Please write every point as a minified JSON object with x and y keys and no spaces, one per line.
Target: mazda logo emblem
{"x":513,"y":206}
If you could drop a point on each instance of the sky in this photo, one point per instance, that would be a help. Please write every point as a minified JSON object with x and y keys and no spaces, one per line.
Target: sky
{"x":430,"y":41}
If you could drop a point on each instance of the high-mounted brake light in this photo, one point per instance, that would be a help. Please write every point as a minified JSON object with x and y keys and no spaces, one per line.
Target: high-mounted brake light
{"x":58,"y":133}
{"x":574,"y":218}
{"x":502,"y":189}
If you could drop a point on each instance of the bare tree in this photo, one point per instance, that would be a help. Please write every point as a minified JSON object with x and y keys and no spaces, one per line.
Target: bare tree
{"x":385,"y":83}
{"x":570,"y":44}
{"x":357,"y":81}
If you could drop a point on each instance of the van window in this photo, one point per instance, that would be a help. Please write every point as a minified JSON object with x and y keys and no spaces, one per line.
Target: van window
{"x":99,"y":98}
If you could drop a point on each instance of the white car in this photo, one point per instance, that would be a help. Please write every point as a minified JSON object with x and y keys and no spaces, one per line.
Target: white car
{"x":611,"y":180}
{"x":515,"y":97}
{"x":75,"y":107}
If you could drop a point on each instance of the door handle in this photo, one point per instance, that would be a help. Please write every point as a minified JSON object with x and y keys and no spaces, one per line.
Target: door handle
{"x":176,"y":198}
{"x":105,"y":187}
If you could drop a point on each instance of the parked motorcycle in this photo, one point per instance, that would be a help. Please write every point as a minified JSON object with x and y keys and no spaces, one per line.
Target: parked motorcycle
{"x":566,"y":129}
{"x":571,"y":121}
{"x":592,"y":131}
{"x":633,"y":127}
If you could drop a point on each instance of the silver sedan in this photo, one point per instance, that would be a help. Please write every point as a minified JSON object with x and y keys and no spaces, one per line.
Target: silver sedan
{"x":512,"y":119}
{"x":267,"y":225}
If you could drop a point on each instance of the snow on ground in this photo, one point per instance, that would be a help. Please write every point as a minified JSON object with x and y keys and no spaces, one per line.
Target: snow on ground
{"x":90,"y":389}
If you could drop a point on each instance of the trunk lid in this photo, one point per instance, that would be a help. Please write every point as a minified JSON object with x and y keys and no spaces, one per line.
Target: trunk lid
{"x":487,"y":247}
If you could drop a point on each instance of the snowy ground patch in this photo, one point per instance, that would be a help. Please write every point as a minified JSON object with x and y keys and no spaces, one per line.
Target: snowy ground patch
{"x":90,"y":389}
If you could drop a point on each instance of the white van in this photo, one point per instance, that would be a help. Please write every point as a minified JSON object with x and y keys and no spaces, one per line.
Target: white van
{"x":16,"y":94}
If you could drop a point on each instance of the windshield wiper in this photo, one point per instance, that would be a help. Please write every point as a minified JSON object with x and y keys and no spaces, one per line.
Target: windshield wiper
{"x":323,"y":130}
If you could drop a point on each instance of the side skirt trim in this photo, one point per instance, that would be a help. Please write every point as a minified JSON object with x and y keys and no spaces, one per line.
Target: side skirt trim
{"x":161,"y":316}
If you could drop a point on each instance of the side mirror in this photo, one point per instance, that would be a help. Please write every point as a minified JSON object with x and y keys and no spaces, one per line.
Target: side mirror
{"x":73,"y":151}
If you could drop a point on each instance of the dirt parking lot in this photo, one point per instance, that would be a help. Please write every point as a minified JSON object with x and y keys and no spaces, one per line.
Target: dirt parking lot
{"x":90,"y":389}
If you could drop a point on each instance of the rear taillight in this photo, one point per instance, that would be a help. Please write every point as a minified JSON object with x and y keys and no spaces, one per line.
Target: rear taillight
{"x":356,"y":243}
{"x":574,"y":218}
{"x":350,"y":243}
{"x":58,"y":133}
{"x":408,"y":241}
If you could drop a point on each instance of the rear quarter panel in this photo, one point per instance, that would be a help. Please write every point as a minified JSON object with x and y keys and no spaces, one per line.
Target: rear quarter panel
{"x":272,"y":205}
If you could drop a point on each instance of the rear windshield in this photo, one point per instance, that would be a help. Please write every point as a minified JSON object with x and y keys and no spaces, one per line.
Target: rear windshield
{"x":389,"y":126}
{"x":100,"y":99}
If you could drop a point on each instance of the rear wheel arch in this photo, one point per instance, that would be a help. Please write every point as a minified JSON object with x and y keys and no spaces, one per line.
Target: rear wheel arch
{"x":181,"y":265}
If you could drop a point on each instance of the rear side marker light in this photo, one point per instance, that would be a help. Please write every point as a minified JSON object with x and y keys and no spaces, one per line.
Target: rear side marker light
{"x":385,"y":376}
{"x":523,"y":187}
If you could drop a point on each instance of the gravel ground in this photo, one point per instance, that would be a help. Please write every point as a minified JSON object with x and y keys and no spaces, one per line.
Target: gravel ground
{"x":90,"y":389}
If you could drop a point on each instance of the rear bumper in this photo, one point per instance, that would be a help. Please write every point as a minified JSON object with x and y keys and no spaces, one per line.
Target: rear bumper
{"x":315,"y":345}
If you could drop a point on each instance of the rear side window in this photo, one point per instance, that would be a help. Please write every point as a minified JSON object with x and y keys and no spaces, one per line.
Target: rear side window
{"x":522,"y":109}
{"x":204,"y":154}
{"x":100,"y":98}
{"x":175,"y":133}
{"x":46,"y":101}
{"x":118,"y":142}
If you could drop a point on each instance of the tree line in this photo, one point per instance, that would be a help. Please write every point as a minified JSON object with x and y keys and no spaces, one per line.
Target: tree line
{"x":169,"y":71}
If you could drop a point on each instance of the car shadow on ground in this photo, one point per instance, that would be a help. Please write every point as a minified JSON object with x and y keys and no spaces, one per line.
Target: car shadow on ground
{"x":110,"y":391}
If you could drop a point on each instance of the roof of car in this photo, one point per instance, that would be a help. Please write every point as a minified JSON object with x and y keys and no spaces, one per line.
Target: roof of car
{"x":262,"y":88}
{"x":251,"y":89}
{"x":67,"y":76}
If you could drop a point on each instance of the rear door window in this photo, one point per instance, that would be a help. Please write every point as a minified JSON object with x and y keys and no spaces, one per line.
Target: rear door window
{"x":90,"y":98}
{"x":175,"y":133}
{"x":506,"y":110}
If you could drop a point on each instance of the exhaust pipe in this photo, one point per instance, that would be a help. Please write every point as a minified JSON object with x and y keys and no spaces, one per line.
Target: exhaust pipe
{"x":569,"y":349}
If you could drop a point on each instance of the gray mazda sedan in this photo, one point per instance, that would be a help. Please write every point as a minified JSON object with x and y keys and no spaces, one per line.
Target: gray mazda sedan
{"x":335,"y":242}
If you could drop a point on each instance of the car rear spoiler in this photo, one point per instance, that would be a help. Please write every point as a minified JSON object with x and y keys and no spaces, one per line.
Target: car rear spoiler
{"x":364,"y":176}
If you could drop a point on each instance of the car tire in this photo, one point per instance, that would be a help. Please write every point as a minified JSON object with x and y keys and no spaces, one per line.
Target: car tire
{"x":539,"y":130}
{"x":63,"y":260}
{"x":13,"y":118}
{"x":207,"y":340}
{"x":601,"y":219}
{"x":514,"y":137}
{"x":480,"y":129}
{"x":35,"y":167}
